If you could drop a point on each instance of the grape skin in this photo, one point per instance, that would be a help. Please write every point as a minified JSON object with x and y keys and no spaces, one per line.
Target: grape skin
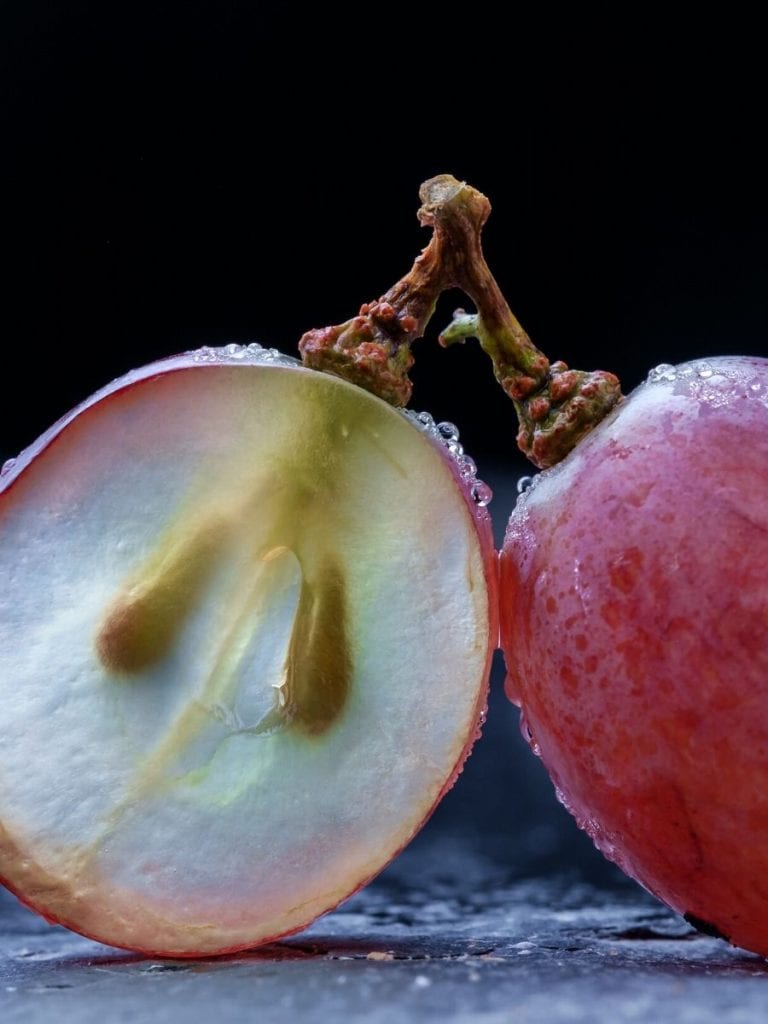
{"x":634,"y":605}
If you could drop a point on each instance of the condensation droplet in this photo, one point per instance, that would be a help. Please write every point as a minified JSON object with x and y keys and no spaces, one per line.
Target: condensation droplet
{"x":447,"y":436}
{"x":448,"y":431}
{"x":562,"y":799}
{"x":481,"y":493}
{"x":252,"y":353}
{"x":525,"y":729}
{"x":662,"y":373}
{"x":205,"y":355}
{"x":7,"y":466}
{"x":467,"y":466}
{"x":706,"y":372}
{"x":524,"y":483}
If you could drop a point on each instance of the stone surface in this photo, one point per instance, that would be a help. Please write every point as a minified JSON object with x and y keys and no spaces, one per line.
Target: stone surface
{"x":462,"y":947}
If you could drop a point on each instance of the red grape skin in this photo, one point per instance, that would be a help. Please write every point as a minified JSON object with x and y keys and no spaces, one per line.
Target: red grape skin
{"x":634,"y":618}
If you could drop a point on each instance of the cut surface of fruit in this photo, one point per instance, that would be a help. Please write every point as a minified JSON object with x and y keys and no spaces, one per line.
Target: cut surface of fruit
{"x":245,"y":629}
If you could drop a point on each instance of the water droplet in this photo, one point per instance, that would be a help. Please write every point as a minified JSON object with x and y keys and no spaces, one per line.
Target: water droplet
{"x":661,"y":373}
{"x":447,"y":434}
{"x":524,"y":483}
{"x":755,"y":385}
{"x":467,"y":467}
{"x":448,"y":431}
{"x":706,"y":372}
{"x":481,"y":493}
{"x":7,"y":466}
{"x":251,"y":353}
{"x":561,"y":798}
{"x":525,"y":729}
{"x":206,"y":354}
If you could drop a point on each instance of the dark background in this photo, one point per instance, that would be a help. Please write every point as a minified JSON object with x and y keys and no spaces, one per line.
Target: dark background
{"x":223,"y":171}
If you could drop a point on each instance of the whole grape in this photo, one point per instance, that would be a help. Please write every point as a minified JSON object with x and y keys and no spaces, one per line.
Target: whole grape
{"x":634,"y":603}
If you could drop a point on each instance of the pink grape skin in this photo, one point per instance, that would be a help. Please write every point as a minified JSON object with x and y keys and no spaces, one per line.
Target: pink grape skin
{"x":634,"y":622}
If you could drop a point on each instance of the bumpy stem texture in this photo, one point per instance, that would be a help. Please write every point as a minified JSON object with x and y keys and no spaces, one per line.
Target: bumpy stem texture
{"x":555,"y":406}
{"x":373,"y":349}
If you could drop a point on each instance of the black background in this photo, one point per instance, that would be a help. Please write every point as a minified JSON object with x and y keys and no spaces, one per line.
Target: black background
{"x":220,"y":171}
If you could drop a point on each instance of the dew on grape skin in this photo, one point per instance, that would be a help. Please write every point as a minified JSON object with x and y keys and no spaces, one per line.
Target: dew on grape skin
{"x":481,"y":493}
{"x":7,"y":466}
{"x":662,"y":372}
{"x":467,"y":466}
{"x":524,"y":483}
{"x":712,"y":383}
{"x":251,"y":353}
{"x":447,"y":435}
{"x":448,"y":431}
{"x":525,"y":729}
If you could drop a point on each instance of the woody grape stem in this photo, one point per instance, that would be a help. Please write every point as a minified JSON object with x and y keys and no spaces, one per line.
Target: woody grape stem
{"x":555,"y":406}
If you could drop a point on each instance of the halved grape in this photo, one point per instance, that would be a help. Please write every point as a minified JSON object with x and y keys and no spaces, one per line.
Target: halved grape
{"x":246,"y":623}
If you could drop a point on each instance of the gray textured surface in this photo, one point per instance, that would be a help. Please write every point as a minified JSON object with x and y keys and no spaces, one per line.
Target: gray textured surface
{"x":452,"y":949}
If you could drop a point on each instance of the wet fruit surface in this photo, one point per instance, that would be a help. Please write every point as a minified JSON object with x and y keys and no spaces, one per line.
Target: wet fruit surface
{"x":634,"y":622}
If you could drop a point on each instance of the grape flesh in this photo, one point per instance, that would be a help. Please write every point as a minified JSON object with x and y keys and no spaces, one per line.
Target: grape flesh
{"x":634,"y":618}
{"x":246,"y":624}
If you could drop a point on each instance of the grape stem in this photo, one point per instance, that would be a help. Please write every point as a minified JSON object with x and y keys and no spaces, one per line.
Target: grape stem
{"x":373,"y":349}
{"x":556,"y":406}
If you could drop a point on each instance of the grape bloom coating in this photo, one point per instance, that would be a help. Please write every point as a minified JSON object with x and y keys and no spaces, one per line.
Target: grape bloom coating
{"x":634,"y":602}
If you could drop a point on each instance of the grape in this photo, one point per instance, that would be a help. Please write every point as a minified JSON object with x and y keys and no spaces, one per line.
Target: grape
{"x":634,"y":603}
{"x":231,"y":693}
